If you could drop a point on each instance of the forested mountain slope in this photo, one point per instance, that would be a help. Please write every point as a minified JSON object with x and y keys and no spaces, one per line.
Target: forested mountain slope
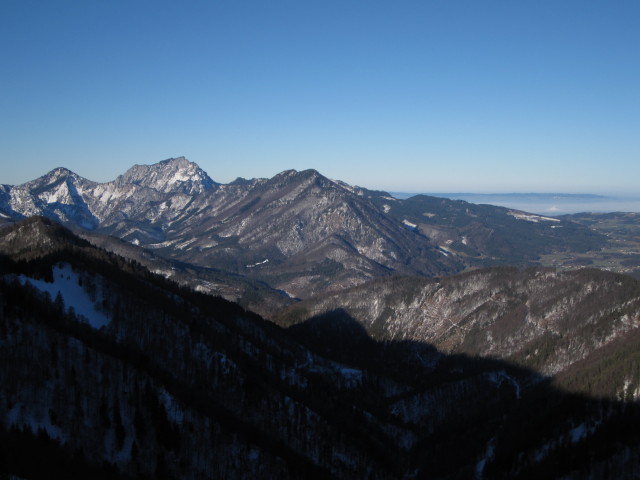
{"x":540,"y":318}
{"x":109,"y":371}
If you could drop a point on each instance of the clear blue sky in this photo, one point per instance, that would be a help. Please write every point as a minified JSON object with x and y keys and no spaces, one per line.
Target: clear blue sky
{"x":428,"y":95}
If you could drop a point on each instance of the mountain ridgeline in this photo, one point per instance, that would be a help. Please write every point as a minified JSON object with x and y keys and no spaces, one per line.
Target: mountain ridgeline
{"x":111,"y":371}
{"x":298,"y":232}
{"x":404,"y":339}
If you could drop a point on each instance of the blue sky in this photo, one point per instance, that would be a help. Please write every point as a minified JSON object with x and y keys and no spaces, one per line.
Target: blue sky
{"x":429,"y":95}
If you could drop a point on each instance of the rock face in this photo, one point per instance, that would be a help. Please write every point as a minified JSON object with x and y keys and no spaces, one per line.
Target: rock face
{"x":75,"y":201}
{"x":176,"y":175}
{"x":60,"y":194}
{"x":298,"y":231}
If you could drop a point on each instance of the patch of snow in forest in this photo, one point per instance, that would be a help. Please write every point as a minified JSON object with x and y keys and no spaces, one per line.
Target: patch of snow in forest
{"x":253,"y":455}
{"x":256,"y":264}
{"x":165,"y":272}
{"x":66,"y":284}
{"x":531,"y":218}
{"x":12,"y":415}
{"x":184,"y":245}
{"x":352,"y":376}
{"x":341,"y":457}
{"x":409,"y":224}
{"x":18,"y":416}
{"x":174,"y":412}
{"x":578,"y":433}
{"x":488,"y":455}
{"x":498,"y":377}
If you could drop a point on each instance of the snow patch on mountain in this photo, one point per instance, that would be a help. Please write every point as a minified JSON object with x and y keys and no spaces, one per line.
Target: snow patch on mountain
{"x":407,"y":223}
{"x":34,"y":418}
{"x":258,"y":263}
{"x":497,"y":378}
{"x":530,"y":217}
{"x":488,"y":455}
{"x":67,"y":284}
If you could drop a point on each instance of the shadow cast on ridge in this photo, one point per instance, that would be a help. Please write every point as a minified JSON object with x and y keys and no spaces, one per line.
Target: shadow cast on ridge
{"x":479,"y":417}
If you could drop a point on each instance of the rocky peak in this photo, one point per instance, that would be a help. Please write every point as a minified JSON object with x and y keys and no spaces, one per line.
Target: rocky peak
{"x":54,"y":177}
{"x":60,"y":185}
{"x":169,"y":176}
{"x":305,"y":177}
{"x":60,"y":172}
{"x":241,"y":181}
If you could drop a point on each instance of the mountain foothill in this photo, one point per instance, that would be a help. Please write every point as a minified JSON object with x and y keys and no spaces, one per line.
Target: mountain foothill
{"x":163,"y":325}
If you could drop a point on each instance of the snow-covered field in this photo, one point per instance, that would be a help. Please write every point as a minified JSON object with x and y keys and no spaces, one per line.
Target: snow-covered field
{"x":67,"y":283}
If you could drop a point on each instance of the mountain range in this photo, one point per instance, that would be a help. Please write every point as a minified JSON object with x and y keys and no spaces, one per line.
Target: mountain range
{"x":164,"y":325}
{"x":299,"y":232}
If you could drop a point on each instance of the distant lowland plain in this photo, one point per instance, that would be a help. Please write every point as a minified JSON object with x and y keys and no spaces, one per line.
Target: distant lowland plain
{"x":552,"y":204}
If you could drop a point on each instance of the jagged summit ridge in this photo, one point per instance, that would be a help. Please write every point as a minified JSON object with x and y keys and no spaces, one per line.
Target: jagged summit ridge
{"x":60,"y":194}
{"x":54,"y":180}
{"x":171,"y":175}
{"x":71,"y":199}
{"x":59,"y":173}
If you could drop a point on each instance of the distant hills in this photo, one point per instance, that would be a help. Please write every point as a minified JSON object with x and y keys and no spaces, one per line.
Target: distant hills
{"x":546,"y":203}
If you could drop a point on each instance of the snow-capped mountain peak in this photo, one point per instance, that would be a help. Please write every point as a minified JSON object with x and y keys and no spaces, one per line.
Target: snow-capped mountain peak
{"x":171,"y":175}
{"x":56,"y":176}
{"x":60,"y":172}
{"x":69,"y":198}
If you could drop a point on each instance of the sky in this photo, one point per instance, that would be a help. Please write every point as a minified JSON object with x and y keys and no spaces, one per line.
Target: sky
{"x":414,"y":96}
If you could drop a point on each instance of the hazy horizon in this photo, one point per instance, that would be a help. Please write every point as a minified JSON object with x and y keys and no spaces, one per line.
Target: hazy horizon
{"x":402,"y":96}
{"x":543,"y":203}
{"x":514,"y":195}
{"x":550,"y":204}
